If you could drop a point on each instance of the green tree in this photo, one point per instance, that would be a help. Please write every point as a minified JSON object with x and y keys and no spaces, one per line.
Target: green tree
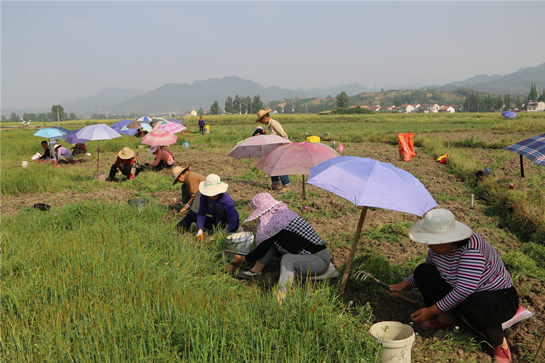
{"x":229,"y":105}
{"x":532,"y":96}
{"x":215,"y":108}
{"x":14,"y":117}
{"x":248,"y":103}
{"x":257,"y":104}
{"x":507,"y":104}
{"x":519,"y":102}
{"x":237,"y":106}
{"x":200,"y":112}
{"x":60,"y":114}
{"x":4,"y":118}
{"x":542,"y":96}
{"x":343,"y":100}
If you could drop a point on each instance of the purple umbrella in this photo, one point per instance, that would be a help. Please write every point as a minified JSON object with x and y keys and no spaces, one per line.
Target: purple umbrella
{"x":73,"y":139}
{"x":119,"y":125}
{"x":509,"y":114}
{"x":371,"y":183}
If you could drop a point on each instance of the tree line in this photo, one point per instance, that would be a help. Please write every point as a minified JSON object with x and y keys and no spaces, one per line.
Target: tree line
{"x":57,"y":113}
{"x":238,"y":105}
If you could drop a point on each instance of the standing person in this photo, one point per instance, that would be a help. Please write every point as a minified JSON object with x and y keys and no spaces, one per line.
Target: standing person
{"x":126,"y":163}
{"x":63,"y":154}
{"x":281,"y":229}
{"x":216,"y":202}
{"x":463,"y":275}
{"x":48,"y":152}
{"x":275,"y":129}
{"x":190,"y":192}
{"x":201,"y":125}
{"x":163,"y":158}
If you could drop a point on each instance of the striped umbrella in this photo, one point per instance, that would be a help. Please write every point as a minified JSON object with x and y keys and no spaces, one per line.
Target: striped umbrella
{"x":160,"y":123}
{"x":533,"y":148}
{"x":159,"y":138}
{"x":144,"y":118}
{"x":172,"y":127}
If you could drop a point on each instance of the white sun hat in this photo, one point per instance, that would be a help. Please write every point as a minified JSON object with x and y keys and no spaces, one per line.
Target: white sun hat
{"x":439,"y":226}
{"x":153,"y":149}
{"x":212,"y":186}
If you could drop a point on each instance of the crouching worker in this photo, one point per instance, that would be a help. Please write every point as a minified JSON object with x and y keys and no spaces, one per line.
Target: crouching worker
{"x":126,"y":163}
{"x":63,"y":154}
{"x":281,"y":229}
{"x":463,"y":275}
{"x":163,"y":158}
{"x":216,"y":209}
{"x":190,"y":191}
{"x":48,"y":152}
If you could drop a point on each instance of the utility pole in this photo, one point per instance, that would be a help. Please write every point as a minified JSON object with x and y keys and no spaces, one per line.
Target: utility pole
{"x":58,"y":117}
{"x":96,"y":115}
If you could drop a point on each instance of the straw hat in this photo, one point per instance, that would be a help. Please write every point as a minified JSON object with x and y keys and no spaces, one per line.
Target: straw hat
{"x":260,"y":114}
{"x":153,"y":149}
{"x":261,"y":204}
{"x":126,"y":153}
{"x":177,"y":171}
{"x":212,"y":186}
{"x":439,"y":226}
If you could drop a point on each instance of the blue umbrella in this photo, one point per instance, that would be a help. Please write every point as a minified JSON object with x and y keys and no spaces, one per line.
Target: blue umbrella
{"x":509,"y":114}
{"x":52,"y":132}
{"x":533,"y":148}
{"x":120,"y":124}
{"x":72,"y":139}
{"x":371,"y":183}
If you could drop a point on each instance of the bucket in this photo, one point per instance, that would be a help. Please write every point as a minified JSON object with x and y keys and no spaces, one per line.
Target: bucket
{"x":24,"y":164}
{"x":101,"y":176}
{"x":396,"y":340}
{"x":313,"y":139}
{"x":241,"y":242}
{"x":185,"y":144}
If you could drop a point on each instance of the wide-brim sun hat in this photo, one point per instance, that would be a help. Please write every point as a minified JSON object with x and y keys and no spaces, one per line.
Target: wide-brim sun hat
{"x":153,"y":149}
{"x":439,"y":226}
{"x":56,"y":146}
{"x":212,"y":186}
{"x":177,"y":171}
{"x":260,"y":114}
{"x":261,"y":204}
{"x":126,"y":153}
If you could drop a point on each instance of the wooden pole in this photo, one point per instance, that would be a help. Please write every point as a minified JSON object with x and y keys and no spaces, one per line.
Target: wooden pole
{"x":98,"y":156}
{"x":521,"y":168}
{"x":353,"y":249}
{"x":541,"y":346}
{"x":304,"y":203}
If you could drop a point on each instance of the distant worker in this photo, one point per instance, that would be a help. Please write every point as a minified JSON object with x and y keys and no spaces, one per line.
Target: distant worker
{"x":201,"y":125}
{"x":63,"y":154}
{"x":127,"y":164}
{"x":79,"y":148}
{"x":163,"y":158}
{"x":259,"y":131}
{"x":48,"y":152}
{"x":275,"y":129}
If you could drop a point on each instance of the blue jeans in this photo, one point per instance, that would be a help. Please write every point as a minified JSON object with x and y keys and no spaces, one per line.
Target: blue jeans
{"x":284,"y":178}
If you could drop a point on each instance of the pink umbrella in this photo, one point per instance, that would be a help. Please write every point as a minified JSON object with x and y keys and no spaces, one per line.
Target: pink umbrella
{"x":257,"y":146}
{"x":159,"y":138}
{"x":296,"y":158}
{"x":160,"y":123}
{"x":172,"y":127}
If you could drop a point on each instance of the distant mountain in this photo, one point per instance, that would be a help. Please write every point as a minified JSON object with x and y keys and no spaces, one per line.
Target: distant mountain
{"x":102,"y":99}
{"x":184,"y":97}
{"x":517,"y":82}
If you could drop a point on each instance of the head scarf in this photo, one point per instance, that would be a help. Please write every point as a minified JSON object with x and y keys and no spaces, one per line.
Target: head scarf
{"x":273,"y":221}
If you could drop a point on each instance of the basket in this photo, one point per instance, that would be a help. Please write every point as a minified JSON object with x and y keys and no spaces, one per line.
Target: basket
{"x":313,"y":139}
{"x":242,"y":242}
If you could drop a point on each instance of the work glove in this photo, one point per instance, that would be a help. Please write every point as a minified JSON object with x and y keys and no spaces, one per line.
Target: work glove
{"x":200,"y":235}
{"x":173,"y":200}
{"x":238,"y":259}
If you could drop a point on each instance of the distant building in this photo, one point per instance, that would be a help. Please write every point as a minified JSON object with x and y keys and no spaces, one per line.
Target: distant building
{"x":192,"y":113}
{"x":448,"y":109}
{"x":406,"y":108}
{"x":534,"y":106}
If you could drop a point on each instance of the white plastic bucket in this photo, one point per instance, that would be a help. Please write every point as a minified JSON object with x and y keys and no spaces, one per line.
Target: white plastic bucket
{"x":241,"y":242}
{"x":396,"y":340}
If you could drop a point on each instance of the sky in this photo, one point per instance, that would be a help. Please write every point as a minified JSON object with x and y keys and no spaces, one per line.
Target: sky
{"x":58,"y":51}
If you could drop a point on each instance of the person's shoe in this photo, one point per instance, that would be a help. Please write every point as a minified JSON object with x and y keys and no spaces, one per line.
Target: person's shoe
{"x":436,"y":324}
{"x":283,"y":190}
{"x":502,"y":355}
{"x":247,"y":274}
{"x":274,"y":186}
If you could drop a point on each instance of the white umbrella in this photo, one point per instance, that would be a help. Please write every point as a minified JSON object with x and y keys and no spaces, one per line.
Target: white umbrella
{"x":97,"y":132}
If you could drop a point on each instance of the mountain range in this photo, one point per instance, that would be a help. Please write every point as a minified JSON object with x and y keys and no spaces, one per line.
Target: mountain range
{"x":178,"y":98}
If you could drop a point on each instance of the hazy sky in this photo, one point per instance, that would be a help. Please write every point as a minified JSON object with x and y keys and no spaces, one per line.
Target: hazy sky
{"x":58,"y":51}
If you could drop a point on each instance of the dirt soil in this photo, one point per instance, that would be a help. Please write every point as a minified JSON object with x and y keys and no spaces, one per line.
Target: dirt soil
{"x":335,"y":221}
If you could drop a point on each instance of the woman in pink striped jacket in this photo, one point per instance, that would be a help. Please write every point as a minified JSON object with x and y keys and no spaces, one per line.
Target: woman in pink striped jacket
{"x":463,"y":275}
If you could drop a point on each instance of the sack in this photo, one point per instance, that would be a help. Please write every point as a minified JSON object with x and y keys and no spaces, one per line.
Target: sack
{"x":36,"y":156}
{"x":443,"y":159}
{"x":406,"y":146}
{"x":42,"y":206}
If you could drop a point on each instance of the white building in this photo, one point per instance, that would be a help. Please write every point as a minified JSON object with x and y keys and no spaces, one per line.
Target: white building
{"x":534,"y":106}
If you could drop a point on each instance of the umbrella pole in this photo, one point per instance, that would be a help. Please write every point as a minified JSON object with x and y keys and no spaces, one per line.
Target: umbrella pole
{"x":521,"y":168}
{"x":98,"y":156}
{"x":353,"y":249}
{"x":304,"y":196}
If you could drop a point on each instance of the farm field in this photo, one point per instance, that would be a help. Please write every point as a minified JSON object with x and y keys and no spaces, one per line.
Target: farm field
{"x":94,"y":279}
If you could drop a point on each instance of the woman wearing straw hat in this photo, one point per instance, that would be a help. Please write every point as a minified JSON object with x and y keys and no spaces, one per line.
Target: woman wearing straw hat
{"x":463,"y":275}
{"x":275,"y":129}
{"x":190,"y":192}
{"x":63,"y":154}
{"x":126,"y":163}
{"x":281,"y":229}
{"x":216,"y":202}
{"x":163,"y":158}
